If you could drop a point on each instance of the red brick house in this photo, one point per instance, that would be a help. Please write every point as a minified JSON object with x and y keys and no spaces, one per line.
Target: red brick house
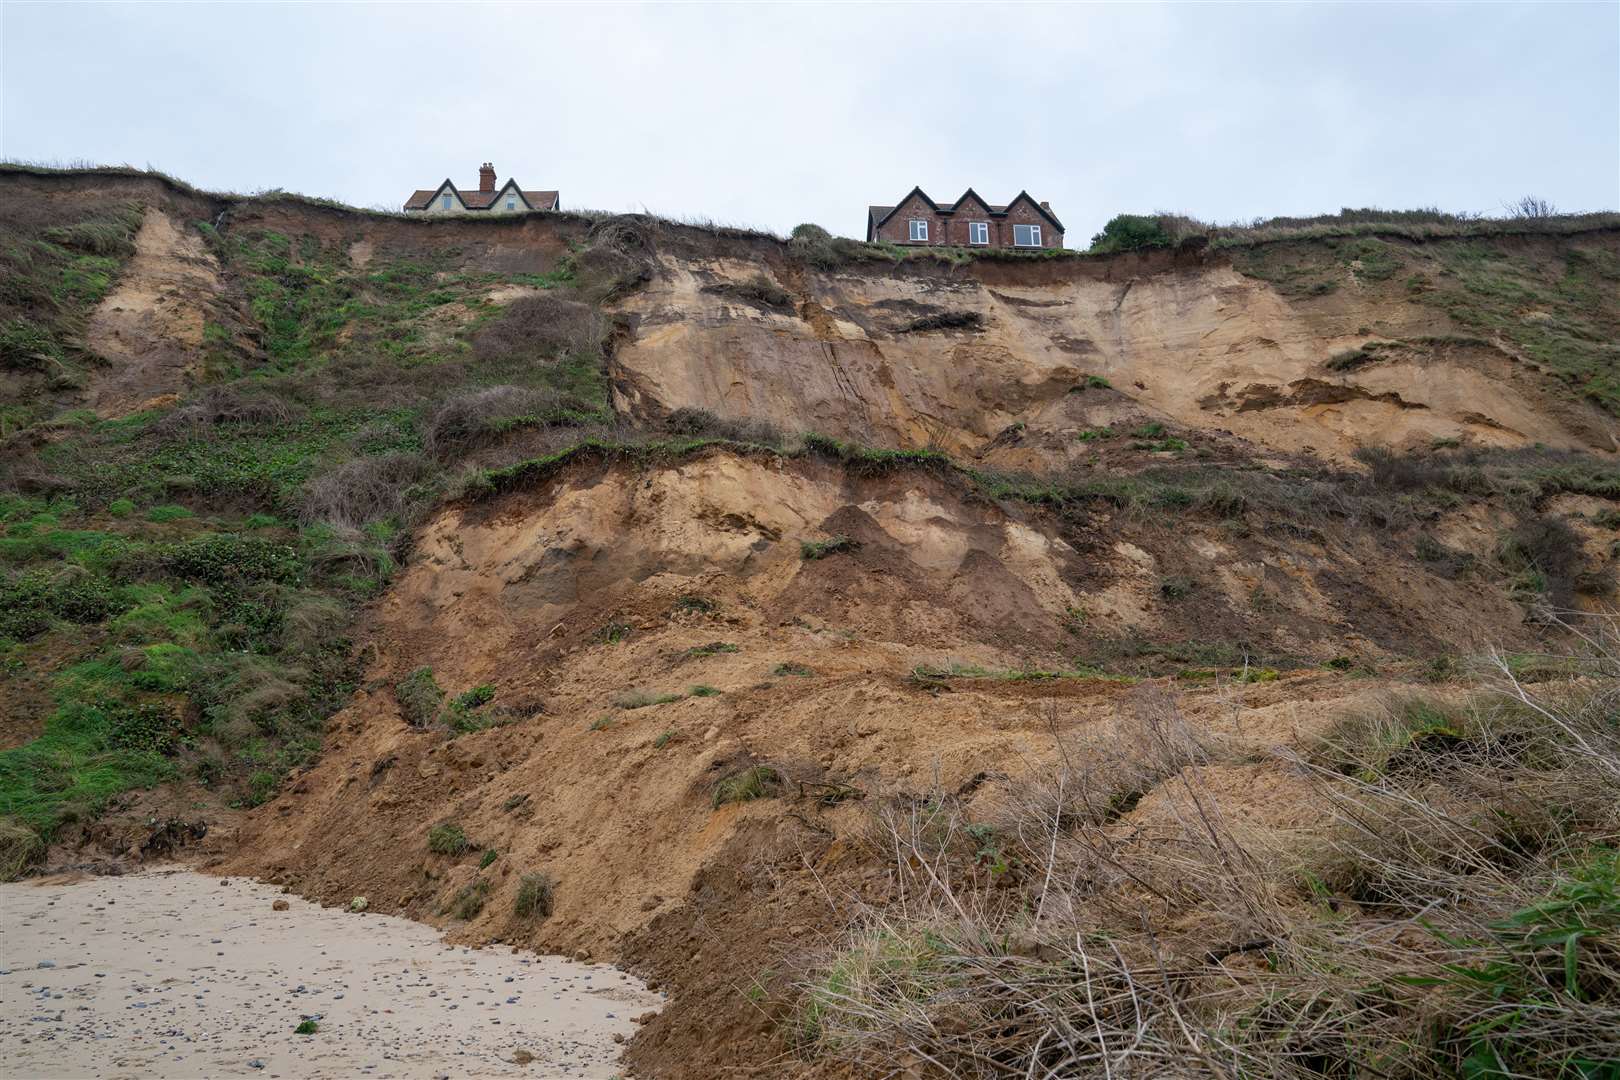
{"x":967,"y":222}
{"x":507,"y":198}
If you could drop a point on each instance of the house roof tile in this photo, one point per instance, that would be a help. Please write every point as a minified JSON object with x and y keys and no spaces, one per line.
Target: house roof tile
{"x":481,"y":200}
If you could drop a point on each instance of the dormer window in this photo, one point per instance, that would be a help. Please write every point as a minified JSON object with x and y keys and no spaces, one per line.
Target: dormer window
{"x":978,"y":232}
{"x":511,"y":202}
{"x":919,"y":230}
{"x":447,"y":199}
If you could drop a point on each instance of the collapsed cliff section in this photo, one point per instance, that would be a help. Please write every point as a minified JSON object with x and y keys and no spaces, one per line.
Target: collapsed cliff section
{"x":676,"y":683}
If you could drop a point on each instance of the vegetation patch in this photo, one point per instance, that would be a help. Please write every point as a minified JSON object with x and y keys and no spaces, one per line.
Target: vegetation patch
{"x":469,"y":900}
{"x":535,"y":896}
{"x":746,"y":785}
{"x":613,"y":633}
{"x":420,"y":697}
{"x":1449,"y":921}
{"x":713,"y":648}
{"x":641,"y":699}
{"x":448,"y":838}
{"x":820,"y":549}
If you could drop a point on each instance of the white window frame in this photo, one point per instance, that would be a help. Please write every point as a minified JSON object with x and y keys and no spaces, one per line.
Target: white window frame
{"x":919,"y":230}
{"x":447,"y":198}
{"x":1033,"y":232}
{"x":511,"y":201}
{"x":978,"y":232}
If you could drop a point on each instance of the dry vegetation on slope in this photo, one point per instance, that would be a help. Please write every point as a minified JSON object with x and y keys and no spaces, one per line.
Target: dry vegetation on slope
{"x":1107,"y":658}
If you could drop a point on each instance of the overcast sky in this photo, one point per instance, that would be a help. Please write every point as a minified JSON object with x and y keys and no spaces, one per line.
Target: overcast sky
{"x":769,"y":116}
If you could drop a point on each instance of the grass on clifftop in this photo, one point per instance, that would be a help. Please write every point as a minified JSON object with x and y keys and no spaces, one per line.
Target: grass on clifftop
{"x":1553,"y":309}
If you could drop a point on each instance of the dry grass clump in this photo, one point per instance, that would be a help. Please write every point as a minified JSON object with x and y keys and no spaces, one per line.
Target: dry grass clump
{"x":617,"y":258}
{"x":701,"y":423}
{"x":1457,"y":911}
{"x":541,"y":327}
{"x":20,"y":848}
{"x":472,"y":419}
{"x":219,"y":406}
{"x":812,"y":550}
{"x":364,"y":490}
{"x":535,"y":896}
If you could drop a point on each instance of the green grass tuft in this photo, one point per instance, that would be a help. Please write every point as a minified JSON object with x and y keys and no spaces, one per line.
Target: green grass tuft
{"x":448,"y":838}
{"x":746,"y":785}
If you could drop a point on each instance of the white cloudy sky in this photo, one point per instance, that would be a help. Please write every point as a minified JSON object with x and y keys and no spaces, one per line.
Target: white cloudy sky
{"x":772,"y":115}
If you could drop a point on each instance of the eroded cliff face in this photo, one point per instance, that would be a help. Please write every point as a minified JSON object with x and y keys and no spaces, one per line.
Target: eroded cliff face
{"x":295,"y":396}
{"x":149,"y":330}
{"x":1190,"y":341}
{"x":982,"y":358}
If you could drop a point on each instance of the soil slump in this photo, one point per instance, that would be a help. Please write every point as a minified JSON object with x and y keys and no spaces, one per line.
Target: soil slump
{"x":170,"y":973}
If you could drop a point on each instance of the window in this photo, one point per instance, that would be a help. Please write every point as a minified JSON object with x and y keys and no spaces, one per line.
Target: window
{"x":978,"y":232}
{"x":919,"y":229}
{"x":1026,"y":236}
{"x":511,"y":202}
{"x":447,"y":202}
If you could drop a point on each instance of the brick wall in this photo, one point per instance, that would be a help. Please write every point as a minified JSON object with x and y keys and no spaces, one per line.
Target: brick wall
{"x":897,"y":230}
{"x":1022,"y":213}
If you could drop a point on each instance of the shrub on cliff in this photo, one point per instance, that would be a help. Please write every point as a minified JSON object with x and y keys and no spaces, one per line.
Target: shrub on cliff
{"x":820,"y":248}
{"x":1130,"y":232}
{"x":535,"y":896}
{"x":544,"y":326}
{"x":448,"y":838}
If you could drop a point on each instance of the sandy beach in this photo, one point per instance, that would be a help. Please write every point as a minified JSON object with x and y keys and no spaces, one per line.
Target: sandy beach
{"x":168,"y":973}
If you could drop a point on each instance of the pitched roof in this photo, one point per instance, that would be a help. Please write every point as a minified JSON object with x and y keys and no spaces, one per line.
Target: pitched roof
{"x":1044,"y":211}
{"x":976,"y":196}
{"x":877,"y":215}
{"x":482,"y":200}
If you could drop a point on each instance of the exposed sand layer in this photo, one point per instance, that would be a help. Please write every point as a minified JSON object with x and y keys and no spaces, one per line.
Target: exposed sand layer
{"x":170,"y":973}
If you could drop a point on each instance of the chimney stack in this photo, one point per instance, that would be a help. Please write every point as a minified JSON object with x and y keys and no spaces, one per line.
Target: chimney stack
{"x":486,"y":177}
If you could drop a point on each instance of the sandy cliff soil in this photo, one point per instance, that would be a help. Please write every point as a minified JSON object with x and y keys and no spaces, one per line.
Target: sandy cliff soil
{"x":610,"y":581}
{"x":149,"y":330}
{"x":1194,"y":343}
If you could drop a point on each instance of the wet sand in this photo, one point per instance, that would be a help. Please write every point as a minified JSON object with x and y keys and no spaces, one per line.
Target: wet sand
{"x":168,"y":973}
